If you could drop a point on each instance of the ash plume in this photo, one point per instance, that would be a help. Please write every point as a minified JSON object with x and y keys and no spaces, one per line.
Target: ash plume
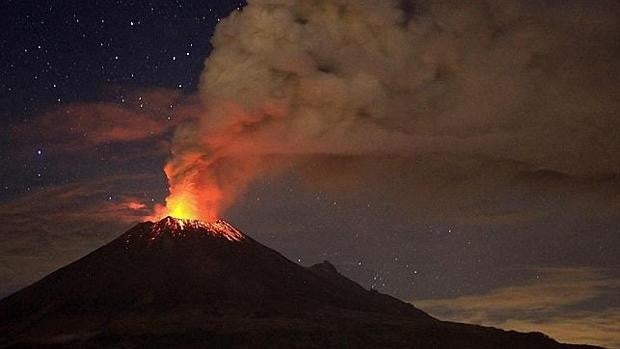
{"x":513,"y":80}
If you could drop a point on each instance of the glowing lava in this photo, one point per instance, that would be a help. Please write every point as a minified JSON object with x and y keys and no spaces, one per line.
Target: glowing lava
{"x":192,"y":203}
{"x":183,"y":206}
{"x":176,"y":227}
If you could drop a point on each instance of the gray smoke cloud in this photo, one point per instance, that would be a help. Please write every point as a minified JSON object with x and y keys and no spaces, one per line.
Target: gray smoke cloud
{"x":533,"y":83}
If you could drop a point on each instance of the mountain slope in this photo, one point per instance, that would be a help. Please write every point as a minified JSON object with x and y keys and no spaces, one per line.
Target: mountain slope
{"x":182,"y":283}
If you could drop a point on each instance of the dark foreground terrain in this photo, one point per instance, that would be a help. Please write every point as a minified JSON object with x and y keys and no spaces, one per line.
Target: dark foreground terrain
{"x":188,"y":284}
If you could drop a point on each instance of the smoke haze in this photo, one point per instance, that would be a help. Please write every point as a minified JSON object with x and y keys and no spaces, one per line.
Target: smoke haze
{"x":517,"y":82}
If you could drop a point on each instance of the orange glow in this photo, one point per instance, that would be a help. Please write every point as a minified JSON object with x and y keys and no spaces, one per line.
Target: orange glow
{"x":135,"y":205}
{"x":210,"y":168}
{"x":191,"y":199}
{"x":181,"y":207}
{"x":190,"y":203}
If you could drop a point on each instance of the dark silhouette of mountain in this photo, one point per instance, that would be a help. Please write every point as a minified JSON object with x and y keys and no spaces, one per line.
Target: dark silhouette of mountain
{"x":188,"y":284}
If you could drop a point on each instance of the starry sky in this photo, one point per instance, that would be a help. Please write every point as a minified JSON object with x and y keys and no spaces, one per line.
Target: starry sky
{"x":92,"y":91}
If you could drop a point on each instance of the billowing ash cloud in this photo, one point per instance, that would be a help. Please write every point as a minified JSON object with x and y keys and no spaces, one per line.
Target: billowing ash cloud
{"x":529,"y":82}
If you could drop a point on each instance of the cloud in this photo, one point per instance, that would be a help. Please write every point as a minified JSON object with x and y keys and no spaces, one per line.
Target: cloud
{"x":550,"y":303}
{"x":145,"y":116}
{"x":578,"y":327}
{"x":92,"y":200}
{"x":527,"y":83}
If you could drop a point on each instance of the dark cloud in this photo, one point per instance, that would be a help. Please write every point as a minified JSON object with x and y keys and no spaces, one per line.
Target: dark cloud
{"x":464,"y":191}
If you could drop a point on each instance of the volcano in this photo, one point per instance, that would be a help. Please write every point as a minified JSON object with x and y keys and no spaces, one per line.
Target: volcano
{"x":180,"y":283}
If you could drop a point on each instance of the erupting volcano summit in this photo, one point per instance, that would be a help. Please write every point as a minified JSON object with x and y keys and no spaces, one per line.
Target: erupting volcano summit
{"x":178,"y":227}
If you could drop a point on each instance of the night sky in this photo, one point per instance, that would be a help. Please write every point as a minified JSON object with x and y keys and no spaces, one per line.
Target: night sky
{"x":496,"y":202}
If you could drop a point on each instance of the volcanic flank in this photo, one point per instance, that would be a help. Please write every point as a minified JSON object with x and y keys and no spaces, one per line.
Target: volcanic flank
{"x":187,"y":283}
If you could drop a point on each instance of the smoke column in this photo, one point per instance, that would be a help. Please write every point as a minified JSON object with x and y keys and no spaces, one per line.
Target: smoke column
{"x":336,"y":77}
